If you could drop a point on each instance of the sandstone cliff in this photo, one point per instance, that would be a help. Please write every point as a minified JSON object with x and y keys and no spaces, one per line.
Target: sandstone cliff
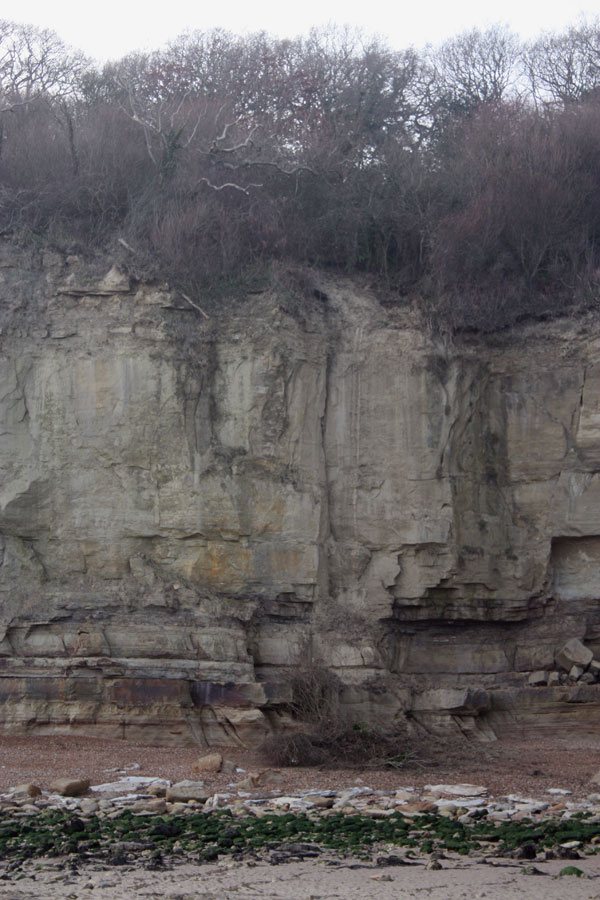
{"x":189,"y":507}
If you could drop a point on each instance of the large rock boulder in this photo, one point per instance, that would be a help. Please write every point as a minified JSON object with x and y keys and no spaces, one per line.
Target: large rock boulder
{"x":574,"y":653}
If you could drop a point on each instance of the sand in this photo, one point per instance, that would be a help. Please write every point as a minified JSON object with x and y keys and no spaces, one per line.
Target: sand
{"x":457,"y":880}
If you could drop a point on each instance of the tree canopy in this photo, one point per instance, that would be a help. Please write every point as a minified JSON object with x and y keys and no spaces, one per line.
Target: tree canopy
{"x":464,"y":178}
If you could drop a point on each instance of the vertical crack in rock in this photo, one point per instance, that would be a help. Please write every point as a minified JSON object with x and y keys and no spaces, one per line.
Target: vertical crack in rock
{"x":325,"y":523}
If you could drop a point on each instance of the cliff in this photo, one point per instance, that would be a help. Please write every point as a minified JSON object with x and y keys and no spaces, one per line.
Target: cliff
{"x":191,"y":507}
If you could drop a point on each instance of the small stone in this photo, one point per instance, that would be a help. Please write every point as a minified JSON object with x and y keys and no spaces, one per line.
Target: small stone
{"x":531,"y":870}
{"x":538,"y":678}
{"x":557,"y":807}
{"x":217,"y":801}
{"x":567,"y":853}
{"x":575,"y":673}
{"x":70,"y":787}
{"x":321,"y":802}
{"x":553,"y":679}
{"x":255,"y":780}
{"x":447,"y":810}
{"x":176,"y":808}
{"x":459,"y":790}
{"x":88,"y":806}
{"x":375,"y":812}
{"x":157,"y":789}
{"x":434,"y":865}
{"x":187,"y":790}
{"x":526,"y":851}
{"x":157,"y":807}
{"x":418,"y":808}
{"x":30,"y":790}
{"x":212,"y":762}
{"x":270,"y":778}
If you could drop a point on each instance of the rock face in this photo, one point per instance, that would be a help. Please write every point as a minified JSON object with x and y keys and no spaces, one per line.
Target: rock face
{"x":191,"y":508}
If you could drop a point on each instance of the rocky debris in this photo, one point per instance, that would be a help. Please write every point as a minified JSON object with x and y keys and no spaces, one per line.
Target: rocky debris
{"x":388,"y":828}
{"x":70,"y":787}
{"x":574,"y":653}
{"x":576,"y":663}
{"x":461,"y":802}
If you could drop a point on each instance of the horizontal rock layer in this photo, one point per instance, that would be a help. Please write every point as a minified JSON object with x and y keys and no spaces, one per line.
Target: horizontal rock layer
{"x":192,"y":509}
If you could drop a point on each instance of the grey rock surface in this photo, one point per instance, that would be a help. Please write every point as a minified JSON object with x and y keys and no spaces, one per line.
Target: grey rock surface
{"x":191,"y":508}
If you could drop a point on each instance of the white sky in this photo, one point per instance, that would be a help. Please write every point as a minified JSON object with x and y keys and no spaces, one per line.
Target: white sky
{"x":107,"y":29}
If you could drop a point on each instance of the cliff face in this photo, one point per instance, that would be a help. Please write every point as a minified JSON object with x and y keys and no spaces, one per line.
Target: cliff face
{"x":190,"y":507}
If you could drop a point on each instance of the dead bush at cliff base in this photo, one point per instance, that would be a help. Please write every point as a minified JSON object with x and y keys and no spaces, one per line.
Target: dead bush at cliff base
{"x":342,"y":744}
{"x":326,"y":735}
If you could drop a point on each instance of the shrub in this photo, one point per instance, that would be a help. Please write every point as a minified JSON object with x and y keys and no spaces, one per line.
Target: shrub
{"x":325,"y":735}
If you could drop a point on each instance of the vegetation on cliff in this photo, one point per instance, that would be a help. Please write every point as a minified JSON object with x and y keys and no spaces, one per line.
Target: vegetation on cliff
{"x":464,"y":178}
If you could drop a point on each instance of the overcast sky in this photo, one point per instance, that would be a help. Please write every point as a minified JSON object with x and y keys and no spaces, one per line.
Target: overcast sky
{"x":107,"y":29}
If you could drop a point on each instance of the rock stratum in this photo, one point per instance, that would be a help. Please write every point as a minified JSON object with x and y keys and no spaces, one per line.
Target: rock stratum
{"x":192,"y":507}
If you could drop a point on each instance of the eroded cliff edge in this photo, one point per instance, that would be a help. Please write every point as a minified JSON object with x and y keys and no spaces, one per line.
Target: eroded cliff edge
{"x":189,"y":507}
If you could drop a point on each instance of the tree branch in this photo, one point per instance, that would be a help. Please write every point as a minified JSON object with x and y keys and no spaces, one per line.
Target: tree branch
{"x":230,"y":184}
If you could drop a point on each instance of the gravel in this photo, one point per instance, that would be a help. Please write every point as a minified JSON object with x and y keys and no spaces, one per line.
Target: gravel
{"x":525,"y":767}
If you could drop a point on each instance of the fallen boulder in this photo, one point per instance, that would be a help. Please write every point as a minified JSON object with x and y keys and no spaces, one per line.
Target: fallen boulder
{"x":574,"y":653}
{"x":70,"y":787}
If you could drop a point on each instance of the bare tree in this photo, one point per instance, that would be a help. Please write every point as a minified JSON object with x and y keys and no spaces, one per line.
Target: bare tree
{"x":35,"y":63}
{"x":565,"y":68}
{"x":476,"y":67}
